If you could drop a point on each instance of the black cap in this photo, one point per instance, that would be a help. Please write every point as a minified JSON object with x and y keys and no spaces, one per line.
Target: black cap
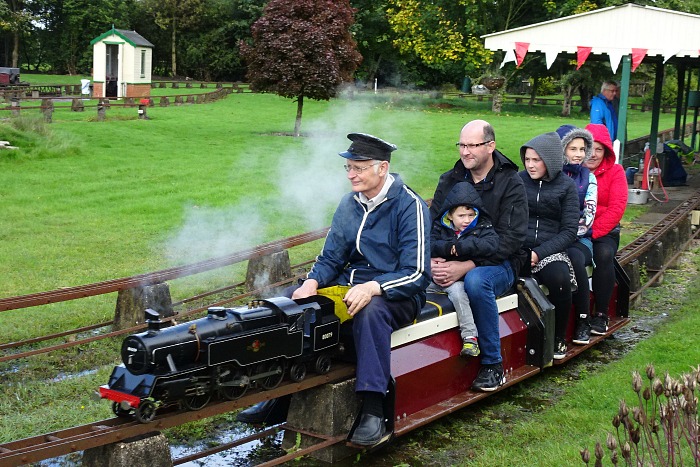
{"x":366,"y":147}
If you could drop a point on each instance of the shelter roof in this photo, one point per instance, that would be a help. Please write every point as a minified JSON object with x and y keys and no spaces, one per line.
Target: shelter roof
{"x":131,"y":37}
{"x":614,"y":31}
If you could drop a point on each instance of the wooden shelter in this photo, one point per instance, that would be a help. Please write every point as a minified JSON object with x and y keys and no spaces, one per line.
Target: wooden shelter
{"x":122,"y":62}
{"x":630,"y":34}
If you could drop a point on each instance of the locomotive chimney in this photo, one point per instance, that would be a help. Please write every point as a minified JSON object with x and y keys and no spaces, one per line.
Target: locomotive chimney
{"x":153,"y":320}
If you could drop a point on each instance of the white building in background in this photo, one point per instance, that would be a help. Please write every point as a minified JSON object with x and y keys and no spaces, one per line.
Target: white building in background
{"x":121,"y":64}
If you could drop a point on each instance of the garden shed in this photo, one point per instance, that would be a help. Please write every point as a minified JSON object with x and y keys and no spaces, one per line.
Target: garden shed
{"x":121,"y":64}
{"x":627,"y":34}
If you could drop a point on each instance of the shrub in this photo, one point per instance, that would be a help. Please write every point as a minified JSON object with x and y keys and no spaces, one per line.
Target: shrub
{"x":661,"y":430}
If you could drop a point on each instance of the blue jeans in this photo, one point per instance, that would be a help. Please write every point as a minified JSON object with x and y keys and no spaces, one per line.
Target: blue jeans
{"x":372,"y":327}
{"x":483,"y":284}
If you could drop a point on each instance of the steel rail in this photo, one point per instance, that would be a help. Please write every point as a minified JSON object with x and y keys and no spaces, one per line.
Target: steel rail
{"x":117,"y":429}
{"x":644,"y":242}
{"x":132,"y":329}
{"x":186,"y":313}
{"x":114,"y":285}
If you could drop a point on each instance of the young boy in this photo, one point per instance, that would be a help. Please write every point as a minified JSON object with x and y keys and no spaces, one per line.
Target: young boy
{"x":462,"y":230}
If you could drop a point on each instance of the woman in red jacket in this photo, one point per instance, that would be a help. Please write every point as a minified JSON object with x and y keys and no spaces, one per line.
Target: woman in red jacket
{"x":605,"y":232}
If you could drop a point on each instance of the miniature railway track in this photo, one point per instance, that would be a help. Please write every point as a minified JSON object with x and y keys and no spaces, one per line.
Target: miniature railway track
{"x":645,"y":241}
{"x":117,"y":429}
{"x":114,"y":430}
{"x":114,"y":285}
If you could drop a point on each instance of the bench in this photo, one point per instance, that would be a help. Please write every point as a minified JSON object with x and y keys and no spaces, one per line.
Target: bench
{"x":438,"y":315}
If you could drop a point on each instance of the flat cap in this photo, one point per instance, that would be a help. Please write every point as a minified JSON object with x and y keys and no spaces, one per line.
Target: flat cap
{"x":366,"y":147}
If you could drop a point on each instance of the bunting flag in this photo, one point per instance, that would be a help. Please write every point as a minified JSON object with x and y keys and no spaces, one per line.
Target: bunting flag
{"x":615,"y":58}
{"x":637,"y":57}
{"x":550,"y":54}
{"x":520,"y":52}
{"x":510,"y":57}
{"x":669,"y":54}
{"x":582,"y":54}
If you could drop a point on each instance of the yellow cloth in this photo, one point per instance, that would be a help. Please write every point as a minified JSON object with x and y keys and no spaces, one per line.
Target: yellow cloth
{"x":336,"y":293}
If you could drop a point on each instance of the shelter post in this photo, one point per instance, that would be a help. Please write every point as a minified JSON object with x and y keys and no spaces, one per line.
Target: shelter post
{"x":624,"y":98}
{"x":656,"y":106}
{"x":681,"y":108}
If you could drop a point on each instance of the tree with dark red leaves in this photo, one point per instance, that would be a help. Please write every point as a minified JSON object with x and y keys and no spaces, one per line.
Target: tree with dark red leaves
{"x":302,"y":48}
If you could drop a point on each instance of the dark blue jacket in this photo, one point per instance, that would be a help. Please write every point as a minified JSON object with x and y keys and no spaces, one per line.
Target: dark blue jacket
{"x":475,"y":243}
{"x":390,"y":245}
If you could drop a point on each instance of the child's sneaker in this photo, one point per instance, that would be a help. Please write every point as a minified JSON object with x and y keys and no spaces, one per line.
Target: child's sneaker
{"x":470,"y":348}
{"x":560,"y":349}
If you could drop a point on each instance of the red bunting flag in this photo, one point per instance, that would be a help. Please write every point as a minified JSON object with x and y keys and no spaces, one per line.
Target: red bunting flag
{"x":520,"y":52}
{"x":637,"y":57}
{"x":582,"y":54}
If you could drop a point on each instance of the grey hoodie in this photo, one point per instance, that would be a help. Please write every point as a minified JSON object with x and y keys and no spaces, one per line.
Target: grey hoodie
{"x":548,"y":147}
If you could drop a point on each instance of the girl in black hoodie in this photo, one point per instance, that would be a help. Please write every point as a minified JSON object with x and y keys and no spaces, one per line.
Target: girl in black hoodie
{"x":552,"y":199}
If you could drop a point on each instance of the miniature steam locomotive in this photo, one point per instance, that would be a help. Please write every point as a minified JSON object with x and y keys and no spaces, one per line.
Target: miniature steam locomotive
{"x":224,"y":353}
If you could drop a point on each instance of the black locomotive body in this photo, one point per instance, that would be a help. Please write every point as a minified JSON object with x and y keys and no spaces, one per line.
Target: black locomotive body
{"x":223,"y":354}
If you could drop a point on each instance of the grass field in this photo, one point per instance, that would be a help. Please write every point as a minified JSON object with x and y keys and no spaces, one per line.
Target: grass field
{"x":85,"y":201}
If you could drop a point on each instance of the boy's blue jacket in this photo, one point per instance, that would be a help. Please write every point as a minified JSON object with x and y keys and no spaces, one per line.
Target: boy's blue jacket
{"x":390,"y":245}
{"x":477,"y":243}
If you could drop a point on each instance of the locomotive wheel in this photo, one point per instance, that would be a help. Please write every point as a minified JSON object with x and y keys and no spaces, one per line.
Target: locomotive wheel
{"x":272,"y":381}
{"x":227,"y":389}
{"x":145,"y":412}
{"x":196,"y":401}
{"x":297,"y":372}
{"x":323,"y":364}
{"x":119,"y":411}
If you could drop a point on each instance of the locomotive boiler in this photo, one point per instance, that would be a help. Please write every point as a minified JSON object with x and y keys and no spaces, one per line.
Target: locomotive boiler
{"x":222,"y":354}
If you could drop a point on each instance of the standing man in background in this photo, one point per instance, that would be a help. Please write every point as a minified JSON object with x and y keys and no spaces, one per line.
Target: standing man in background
{"x":603,"y":108}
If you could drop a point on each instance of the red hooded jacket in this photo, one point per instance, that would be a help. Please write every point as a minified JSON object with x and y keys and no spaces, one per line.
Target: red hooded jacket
{"x":612,"y":185}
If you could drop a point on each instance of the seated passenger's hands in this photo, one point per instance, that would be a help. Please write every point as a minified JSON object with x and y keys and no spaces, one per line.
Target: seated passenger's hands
{"x":445,"y":273}
{"x":534,"y":259}
{"x":359,"y":296}
{"x":307,"y":289}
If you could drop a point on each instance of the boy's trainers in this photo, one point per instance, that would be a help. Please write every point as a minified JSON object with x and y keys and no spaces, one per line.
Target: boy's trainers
{"x":582,"y":336}
{"x":559,"y":349}
{"x":490,"y":378}
{"x":470,"y":348}
{"x":599,"y":324}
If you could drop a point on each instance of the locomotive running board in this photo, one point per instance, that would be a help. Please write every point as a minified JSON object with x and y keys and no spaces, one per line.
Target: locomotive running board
{"x":416,"y":420}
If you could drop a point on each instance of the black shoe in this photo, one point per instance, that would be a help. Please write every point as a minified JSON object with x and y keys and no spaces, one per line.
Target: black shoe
{"x":582,"y":336}
{"x":490,"y":378}
{"x":272,"y":412}
{"x":559,"y":349}
{"x":369,"y":431}
{"x":599,"y":324}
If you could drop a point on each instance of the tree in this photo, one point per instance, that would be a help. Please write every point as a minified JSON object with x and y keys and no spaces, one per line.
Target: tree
{"x":15,"y":19}
{"x":175,"y":15}
{"x":211,"y":52}
{"x":302,"y":49}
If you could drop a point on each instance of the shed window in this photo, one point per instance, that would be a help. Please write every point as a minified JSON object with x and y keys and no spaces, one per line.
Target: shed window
{"x":143,"y":64}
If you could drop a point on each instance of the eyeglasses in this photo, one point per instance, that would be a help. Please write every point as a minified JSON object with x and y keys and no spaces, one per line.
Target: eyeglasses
{"x":471,"y":146}
{"x":359,"y":170}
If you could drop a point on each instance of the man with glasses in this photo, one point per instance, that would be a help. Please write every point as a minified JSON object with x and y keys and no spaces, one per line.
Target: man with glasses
{"x":603,"y":108}
{"x":495,"y":178}
{"x":378,"y":247}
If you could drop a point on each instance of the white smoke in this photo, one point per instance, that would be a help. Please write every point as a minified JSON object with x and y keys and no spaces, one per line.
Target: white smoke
{"x":310,"y":182}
